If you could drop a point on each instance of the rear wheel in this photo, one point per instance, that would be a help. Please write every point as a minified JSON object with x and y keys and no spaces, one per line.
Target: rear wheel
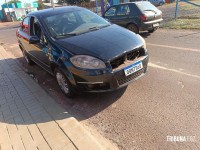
{"x":27,"y":58}
{"x":64,"y":83}
{"x":152,"y":30}
{"x":133,"y":28}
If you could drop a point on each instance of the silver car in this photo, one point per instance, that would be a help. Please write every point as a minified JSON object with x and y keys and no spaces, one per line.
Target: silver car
{"x":157,"y":2}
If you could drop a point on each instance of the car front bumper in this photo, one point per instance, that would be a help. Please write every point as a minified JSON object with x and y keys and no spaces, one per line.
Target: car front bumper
{"x":105,"y":80}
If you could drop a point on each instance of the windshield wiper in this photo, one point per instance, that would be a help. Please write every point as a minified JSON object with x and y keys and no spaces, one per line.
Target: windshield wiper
{"x":105,"y":26}
{"x":94,"y":28}
{"x":67,"y":34}
{"x":98,"y":27}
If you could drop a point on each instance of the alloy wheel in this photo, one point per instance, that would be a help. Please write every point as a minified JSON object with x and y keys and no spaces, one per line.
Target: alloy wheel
{"x":133,"y":28}
{"x":62,"y":82}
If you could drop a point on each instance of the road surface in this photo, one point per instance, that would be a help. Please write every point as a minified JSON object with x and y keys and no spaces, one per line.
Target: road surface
{"x":165,"y":102}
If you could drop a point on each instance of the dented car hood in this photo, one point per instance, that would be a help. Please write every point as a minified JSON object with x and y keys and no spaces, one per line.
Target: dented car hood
{"x":105,"y":43}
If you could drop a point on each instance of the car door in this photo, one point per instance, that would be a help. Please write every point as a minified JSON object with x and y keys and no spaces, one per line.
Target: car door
{"x":40,"y":50}
{"x":23,"y":33}
{"x":110,"y":14}
{"x":123,"y":15}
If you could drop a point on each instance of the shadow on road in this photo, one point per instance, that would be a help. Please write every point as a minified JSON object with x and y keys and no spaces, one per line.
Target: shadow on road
{"x":145,"y":34}
{"x":89,"y":104}
{"x":82,"y":106}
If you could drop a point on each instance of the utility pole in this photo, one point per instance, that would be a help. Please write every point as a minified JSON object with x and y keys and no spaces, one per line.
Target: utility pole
{"x":97,"y":7}
{"x":9,"y":11}
{"x":176,"y":10}
{"x":52,"y":4}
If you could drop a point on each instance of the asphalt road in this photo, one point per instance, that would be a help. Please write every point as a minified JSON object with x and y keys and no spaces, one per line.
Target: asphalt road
{"x":165,"y":102}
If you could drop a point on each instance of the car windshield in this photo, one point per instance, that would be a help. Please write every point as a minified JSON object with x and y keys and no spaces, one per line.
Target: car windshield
{"x":146,"y":6}
{"x":74,"y":23}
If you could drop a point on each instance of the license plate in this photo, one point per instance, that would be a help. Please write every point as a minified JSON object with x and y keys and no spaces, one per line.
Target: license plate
{"x":156,"y":25}
{"x":133,"y":68}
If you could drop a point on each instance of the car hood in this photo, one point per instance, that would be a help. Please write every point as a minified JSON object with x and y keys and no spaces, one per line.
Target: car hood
{"x":105,"y":44}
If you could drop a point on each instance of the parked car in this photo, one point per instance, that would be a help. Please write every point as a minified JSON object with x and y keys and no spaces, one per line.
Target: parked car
{"x":82,"y":50}
{"x":157,"y":2}
{"x":135,"y":16}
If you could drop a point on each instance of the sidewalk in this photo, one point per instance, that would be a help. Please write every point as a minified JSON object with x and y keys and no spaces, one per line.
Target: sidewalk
{"x":30,"y":119}
{"x":7,"y":25}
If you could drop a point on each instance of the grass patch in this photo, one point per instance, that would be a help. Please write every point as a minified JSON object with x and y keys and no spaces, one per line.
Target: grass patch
{"x":184,"y":5}
{"x":184,"y":22}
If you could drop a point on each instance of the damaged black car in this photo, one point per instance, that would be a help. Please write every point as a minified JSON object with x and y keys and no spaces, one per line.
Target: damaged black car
{"x":82,"y":50}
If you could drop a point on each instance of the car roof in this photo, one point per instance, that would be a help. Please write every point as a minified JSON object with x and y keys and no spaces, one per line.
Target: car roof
{"x":54,"y":11}
{"x":136,"y":2}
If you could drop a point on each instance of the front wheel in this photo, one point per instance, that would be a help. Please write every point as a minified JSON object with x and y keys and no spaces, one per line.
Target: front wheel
{"x":133,"y":28}
{"x":64,"y":83}
{"x":27,"y":58}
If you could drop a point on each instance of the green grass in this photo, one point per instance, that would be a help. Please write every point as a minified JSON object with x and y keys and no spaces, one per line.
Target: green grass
{"x":186,"y":6}
{"x":184,"y":22}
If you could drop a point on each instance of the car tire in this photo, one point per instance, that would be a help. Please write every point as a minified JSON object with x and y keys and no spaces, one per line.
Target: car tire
{"x":160,"y":4}
{"x":152,"y":30}
{"x":64,"y":83}
{"x":133,"y":28}
{"x":27,"y":58}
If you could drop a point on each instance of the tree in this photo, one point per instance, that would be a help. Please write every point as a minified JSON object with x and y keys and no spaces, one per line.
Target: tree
{"x":40,"y":4}
{"x":13,"y":1}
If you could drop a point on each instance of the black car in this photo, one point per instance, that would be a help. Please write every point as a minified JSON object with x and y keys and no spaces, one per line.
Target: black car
{"x":136,"y":16}
{"x":82,"y":49}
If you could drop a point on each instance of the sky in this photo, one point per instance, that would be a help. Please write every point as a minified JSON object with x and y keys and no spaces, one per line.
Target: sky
{"x":3,"y":1}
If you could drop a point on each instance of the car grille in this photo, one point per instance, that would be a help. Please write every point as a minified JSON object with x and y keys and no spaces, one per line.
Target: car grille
{"x":130,"y":56}
{"x":130,"y":77}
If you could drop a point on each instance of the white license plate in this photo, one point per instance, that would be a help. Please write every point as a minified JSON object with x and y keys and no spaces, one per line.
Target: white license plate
{"x":156,"y":25}
{"x":133,"y":68}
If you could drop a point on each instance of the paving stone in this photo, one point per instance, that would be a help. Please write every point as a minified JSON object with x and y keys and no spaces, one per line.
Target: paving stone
{"x":69,"y":146}
{"x":87,"y":143}
{"x":27,"y":120}
{"x":26,"y":137}
{"x":38,"y":137}
{"x":4,"y":138}
{"x":25,"y":114}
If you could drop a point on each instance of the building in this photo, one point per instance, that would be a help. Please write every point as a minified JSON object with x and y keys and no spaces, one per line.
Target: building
{"x":17,"y":11}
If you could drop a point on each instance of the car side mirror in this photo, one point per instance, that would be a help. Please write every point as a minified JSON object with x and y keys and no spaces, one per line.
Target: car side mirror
{"x":33,"y":40}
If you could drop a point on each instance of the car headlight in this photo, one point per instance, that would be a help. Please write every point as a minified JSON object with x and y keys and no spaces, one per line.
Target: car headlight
{"x":87,"y":62}
{"x":142,"y":41}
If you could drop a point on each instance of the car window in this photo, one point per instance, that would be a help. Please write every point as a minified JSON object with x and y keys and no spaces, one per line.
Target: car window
{"x":25,"y":25}
{"x":73,"y":23}
{"x":110,"y":12}
{"x":71,"y":17}
{"x":36,"y":30}
{"x":123,"y":10}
